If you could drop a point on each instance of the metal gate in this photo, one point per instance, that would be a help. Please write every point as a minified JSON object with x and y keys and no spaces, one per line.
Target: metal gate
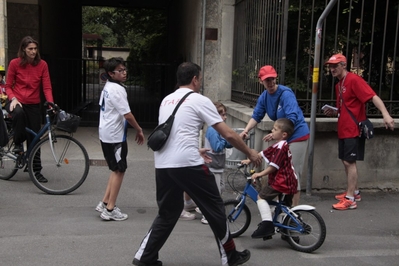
{"x":146,"y":86}
{"x":281,"y":33}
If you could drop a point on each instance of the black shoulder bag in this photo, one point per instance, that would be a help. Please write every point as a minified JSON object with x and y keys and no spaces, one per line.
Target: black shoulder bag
{"x":366,"y":129}
{"x":159,"y":136}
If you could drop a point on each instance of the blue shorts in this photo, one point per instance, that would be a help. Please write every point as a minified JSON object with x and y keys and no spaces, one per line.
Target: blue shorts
{"x":115,"y":154}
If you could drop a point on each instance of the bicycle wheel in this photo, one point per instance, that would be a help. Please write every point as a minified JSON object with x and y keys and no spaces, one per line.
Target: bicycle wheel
{"x":314,"y":235}
{"x":239,"y":220}
{"x":8,"y":162}
{"x":65,"y":170}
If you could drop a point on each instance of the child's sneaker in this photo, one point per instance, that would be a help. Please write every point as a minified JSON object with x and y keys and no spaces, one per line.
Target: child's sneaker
{"x":198,"y":210}
{"x":204,"y":220}
{"x":345,"y":204}
{"x":187,"y":216}
{"x":100,"y":206}
{"x":265,"y":229}
{"x":190,"y":207}
{"x":342,"y":196}
{"x":115,"y":215}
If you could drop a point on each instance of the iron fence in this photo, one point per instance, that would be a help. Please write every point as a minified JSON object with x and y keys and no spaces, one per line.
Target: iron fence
{"x":78,"y":87}
{"x":281,"y":33}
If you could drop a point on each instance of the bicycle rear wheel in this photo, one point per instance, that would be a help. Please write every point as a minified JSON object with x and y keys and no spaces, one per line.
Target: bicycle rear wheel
{"x":238,"y":222}
{"x":315,"y":231}
{"x":8,"y":162}
{"x":65,"y":170}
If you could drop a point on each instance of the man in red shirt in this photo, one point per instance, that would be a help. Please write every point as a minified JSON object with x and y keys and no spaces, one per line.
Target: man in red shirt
{"x":352,"y":94}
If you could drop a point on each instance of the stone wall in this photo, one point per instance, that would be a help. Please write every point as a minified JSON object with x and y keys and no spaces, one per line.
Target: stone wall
{"x":379,"y":170}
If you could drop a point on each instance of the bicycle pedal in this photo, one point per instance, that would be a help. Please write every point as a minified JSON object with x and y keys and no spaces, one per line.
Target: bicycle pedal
{"x":267,"y":238}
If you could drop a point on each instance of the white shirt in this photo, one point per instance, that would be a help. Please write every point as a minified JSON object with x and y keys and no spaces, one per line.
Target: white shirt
{"x":182,"y":147}
{"x":113,"y":107}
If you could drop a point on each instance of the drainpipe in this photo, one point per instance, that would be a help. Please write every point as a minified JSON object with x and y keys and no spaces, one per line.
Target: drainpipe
{"x":315,"y":88}
{"x":203,"y":45}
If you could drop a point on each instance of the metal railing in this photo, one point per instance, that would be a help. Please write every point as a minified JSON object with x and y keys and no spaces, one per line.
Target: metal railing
{"x":281,"y":33}
{"x":78,"y":87}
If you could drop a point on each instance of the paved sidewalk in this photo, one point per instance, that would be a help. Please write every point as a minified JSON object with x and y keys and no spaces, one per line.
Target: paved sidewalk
{"x":40,"y":229}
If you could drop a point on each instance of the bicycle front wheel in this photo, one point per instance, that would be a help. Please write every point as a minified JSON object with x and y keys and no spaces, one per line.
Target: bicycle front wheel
{"x":238,"y":217}
{"x":313,"y":236}
{"x":64,"y":162}
{"x":8,"y":162}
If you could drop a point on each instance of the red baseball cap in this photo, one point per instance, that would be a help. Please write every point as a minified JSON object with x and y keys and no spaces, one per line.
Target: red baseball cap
{"x":267,"y":72}
{"x":335,"y":59}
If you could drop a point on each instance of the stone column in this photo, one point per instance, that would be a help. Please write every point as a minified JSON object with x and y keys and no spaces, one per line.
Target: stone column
{"x":3,"y":34}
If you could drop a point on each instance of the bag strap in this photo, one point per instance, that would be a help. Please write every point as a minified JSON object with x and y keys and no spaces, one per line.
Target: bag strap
{"x":180,"y":102}
{"x":342,"y":101}
{"x":350,"y":113}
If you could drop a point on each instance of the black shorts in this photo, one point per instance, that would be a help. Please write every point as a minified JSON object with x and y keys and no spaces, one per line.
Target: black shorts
{"x":115,"y":154}
{"x":352,"y":149}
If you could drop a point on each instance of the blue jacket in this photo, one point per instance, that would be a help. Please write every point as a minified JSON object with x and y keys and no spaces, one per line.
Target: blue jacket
{"x":287,"y":108}
{"x":217,"y":144}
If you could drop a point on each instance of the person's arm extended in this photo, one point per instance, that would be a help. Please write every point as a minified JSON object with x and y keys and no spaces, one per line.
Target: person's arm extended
{"x":132,"y":121}
{"x":388,"y":120}
{"x":251,"y":124}
{"x":234,"y":139}
{"x":269,"y":170}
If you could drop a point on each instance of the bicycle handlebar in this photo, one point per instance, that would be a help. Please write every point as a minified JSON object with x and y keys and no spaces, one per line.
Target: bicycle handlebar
{"x":53,"y":106}
{"x":245,"y":170}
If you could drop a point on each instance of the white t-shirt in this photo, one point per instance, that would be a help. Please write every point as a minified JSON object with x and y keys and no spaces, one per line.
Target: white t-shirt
{"x":113,"y":107}
{"x":182,"y":147}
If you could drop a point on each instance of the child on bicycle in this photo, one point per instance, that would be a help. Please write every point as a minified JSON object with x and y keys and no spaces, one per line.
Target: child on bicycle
{"x":115,"y":115}
{"x":280,"y":170}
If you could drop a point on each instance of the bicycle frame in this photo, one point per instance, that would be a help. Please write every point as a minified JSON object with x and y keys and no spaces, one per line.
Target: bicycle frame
{"x":37,"y":136}
{"x":60,"y":157}
{"x":252,"y":193}
{"x":301,"y":226}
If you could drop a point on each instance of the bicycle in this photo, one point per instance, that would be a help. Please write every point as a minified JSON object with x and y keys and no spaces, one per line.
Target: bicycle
{"x":64,"y":160}
{"x":301,"y":226}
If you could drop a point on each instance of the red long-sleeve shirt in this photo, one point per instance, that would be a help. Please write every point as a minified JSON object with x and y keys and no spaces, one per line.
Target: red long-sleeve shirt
{"x":24,"y":82}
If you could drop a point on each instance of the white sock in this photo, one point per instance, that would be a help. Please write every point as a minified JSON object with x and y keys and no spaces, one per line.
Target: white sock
{"x":350,"y":198}
{"x":357,"y":192}
{"x":264,"y":210}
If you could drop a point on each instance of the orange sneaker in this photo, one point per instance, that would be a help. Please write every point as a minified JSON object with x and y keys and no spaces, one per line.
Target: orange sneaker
{"x":342,"y":196}
{"x":345,"y":204}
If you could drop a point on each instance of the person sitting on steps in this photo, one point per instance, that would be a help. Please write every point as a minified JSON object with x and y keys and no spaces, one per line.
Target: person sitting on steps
{"x":281,"y":172}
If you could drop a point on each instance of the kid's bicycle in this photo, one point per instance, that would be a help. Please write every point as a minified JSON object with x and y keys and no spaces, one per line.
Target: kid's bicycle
{"x":301,"y":226}
{"x":60,"y":158}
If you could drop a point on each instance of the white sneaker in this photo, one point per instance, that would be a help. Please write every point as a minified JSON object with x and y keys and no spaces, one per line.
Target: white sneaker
{"x":204,"y":220}
{"x":186,"y":216}
{"x":190,"y":207}
{"x":115,"y":215}
{"x":100,"y":207}
{"x":198,"y":210}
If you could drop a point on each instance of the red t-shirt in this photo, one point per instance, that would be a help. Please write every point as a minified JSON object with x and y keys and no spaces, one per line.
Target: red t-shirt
{"x":24,"y":82}
{"x":280,"y":157}
{"x":355,"y":93}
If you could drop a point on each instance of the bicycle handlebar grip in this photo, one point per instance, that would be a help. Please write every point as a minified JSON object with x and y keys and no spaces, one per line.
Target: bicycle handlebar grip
{"x":52,"y":105}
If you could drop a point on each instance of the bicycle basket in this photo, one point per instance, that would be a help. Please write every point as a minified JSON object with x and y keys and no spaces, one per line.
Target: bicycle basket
{"x":67,"y":122}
